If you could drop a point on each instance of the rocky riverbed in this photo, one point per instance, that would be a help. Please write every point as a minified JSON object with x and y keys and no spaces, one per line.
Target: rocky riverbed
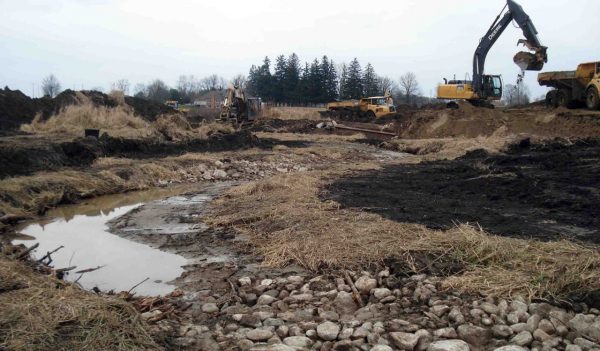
{"x":390,"y":312}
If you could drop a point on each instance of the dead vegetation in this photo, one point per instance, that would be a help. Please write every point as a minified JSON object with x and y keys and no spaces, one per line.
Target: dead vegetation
{"x":309,"y":113}
{"x":286,"y":222}
{"x":44,"y":313}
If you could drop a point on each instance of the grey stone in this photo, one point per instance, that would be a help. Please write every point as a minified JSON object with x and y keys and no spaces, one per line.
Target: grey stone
{"x":448,"y":345}
{"x":511,"y":348}
{"x":476,"y":336}
{"x":365,"y":284}
{"x":490,"y":308}
{"x":381,"y":348}
{"x":381,"y":293}
{"x":245,"y":281}
{"x":573,"y":348}
{"x":282,"y":331}
{"x":298,"y":341}
{"x":502,"y":331}
{"x":344,"y":303}
{"x":301,"y":297}
{"x":440,"y":310}
{"x":249,"y":320}
{"x":346,"y":333}
{"x":541,"y":335}
{"x":272,"y":347}
{"x":456,"y":316}
{"x":519,"y":327}
{"x":265,"y":299}
{"x":210,"y":308}
{"x":273,"y":322}
{"x":524,"y":338}
{"x":446,"y":333}
{"x":404,"y":341}
{"x":328,"y":331}
{"x":259,"y":334}
{"x":547,"y":326}
{"x":360,"y":333}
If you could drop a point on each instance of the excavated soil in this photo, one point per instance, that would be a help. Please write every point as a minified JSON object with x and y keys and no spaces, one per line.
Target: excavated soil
{"x":21,"y":155}
{"x":17,"y":108}
{"x":546,"y":191}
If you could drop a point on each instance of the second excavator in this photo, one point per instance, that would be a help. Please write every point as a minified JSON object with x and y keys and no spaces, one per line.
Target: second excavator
{"x":484,"y":88}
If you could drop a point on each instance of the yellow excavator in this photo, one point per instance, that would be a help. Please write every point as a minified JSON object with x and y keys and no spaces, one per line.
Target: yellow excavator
{"x":484,"y":88}
{"x":238,"y":107}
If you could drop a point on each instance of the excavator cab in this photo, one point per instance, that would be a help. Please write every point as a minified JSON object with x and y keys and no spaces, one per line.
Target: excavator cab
{"x":492,"y":87}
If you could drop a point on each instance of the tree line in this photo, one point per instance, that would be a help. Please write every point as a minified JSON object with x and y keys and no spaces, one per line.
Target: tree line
{"x":319,"y":81}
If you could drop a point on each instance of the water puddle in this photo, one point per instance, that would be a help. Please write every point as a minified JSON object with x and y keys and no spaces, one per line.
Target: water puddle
{"x":83,"y":231}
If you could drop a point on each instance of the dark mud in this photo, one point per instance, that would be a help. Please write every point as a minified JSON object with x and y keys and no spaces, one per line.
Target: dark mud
{"x":546,"y":191}
{"x":29,"y":154}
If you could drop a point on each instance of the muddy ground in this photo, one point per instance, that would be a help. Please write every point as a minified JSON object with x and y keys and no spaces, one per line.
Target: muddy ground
{"x":546,"y":191}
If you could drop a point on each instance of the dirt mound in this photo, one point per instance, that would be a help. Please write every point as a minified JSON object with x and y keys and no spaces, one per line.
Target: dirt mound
{"x":17,"y":108}
{"x":26,"y":155}
{"x":471,"y":122}
{"x":545,"y":191}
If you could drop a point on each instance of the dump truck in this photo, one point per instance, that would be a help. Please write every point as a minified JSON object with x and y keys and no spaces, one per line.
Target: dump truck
{"x":484,"y":88}
{"x":573,"y":89}
{"x":238,"y":107}
{"x":368,"y":108}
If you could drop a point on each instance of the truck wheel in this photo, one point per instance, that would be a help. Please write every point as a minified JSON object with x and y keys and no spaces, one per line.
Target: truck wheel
{"x":563,"y":98}
{"x":592,"y":99}
{"x":371,"y":115}
{"x":551,"y":98}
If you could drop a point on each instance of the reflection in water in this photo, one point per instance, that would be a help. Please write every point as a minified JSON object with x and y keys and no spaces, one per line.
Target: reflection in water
{"x":87,"y":244}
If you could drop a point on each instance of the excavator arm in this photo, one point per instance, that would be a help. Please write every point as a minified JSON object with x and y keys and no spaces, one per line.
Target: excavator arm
{"x":525,"y":60}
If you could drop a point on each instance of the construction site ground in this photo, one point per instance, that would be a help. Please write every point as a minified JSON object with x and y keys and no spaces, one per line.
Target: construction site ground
{"x":473,"y":229}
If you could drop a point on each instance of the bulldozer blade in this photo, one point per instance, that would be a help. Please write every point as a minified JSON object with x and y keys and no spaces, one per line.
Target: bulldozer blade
{"x":528,"y":61}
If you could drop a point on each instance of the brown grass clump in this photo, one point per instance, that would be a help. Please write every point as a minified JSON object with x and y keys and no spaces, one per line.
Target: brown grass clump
{"x":311,"y":113}
{"x":286,"y":222}
{"x":73,"y":119}
{"x":448,"y":148}
{"x":44,"y":313}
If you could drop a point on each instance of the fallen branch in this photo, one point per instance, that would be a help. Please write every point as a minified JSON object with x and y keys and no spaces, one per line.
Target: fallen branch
{"x":63,"y":270}
{"x":26,"y":252}
{"x":89,"y":270}
{"x":47,"y":256}
{"x":136,"y":285}
{"x":355,"y":292}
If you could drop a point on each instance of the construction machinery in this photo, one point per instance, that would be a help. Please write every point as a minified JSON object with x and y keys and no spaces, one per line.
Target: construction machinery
{"x":238,"y":107}
{"x":484,"y":88}
{"x":573,"y":88}
{"x":366,"y":108}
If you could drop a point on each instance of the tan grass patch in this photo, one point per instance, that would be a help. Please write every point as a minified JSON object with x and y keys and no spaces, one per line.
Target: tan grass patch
{"x":286,"y":222}
{"x":44,"y":313}
{"x":311,"y":113}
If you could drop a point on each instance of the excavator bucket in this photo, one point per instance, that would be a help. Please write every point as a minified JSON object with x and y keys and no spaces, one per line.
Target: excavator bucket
{"x":528,"y":61}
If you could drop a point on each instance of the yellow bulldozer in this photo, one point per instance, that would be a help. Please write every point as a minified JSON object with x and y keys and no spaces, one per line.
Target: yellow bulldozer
{"x":368,"y":108}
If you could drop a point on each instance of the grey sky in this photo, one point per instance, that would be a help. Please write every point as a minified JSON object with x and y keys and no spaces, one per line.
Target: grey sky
{"x":92,"y":43}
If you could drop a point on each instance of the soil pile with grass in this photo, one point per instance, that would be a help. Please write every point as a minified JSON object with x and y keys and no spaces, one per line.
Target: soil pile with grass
{"x":545,"y":191}
{"x":284,"y":126}
{"x":17,"y":108}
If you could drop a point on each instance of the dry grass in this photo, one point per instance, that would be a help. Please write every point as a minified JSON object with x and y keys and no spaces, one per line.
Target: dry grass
{"x":448,"y":148}
{"x":311,"y":113}
{"x":117,"y":121}
{"x":44,"y":313}
{"x":286,"y":222}
{"x":310,"y":137}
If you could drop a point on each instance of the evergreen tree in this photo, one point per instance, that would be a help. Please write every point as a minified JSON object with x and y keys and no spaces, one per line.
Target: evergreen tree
{"x":252,"y":81}
{"x":330,"y":80}
{"x":265,"y":80}
{"x":353,"y":84}
{"x":370,"y":84}
{"x":292,"y":78}
{"x":315,"y":82}
{"x":279,"y":79}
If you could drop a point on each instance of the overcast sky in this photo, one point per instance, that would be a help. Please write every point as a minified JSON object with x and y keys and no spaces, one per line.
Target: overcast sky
{"x":91,"y":43}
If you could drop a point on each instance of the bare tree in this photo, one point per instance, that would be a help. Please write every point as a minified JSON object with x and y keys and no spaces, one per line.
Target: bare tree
{"x":157,"y":91}
{"x":213,"y":82}
{"x":386,"y":84}
{"x":239,"y":81}
{"x":121,"y":85}
{"x":516,"y":94}
{"x":139,"y":90}
{"x":409,"y":86}
{"x":50,"y":86}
